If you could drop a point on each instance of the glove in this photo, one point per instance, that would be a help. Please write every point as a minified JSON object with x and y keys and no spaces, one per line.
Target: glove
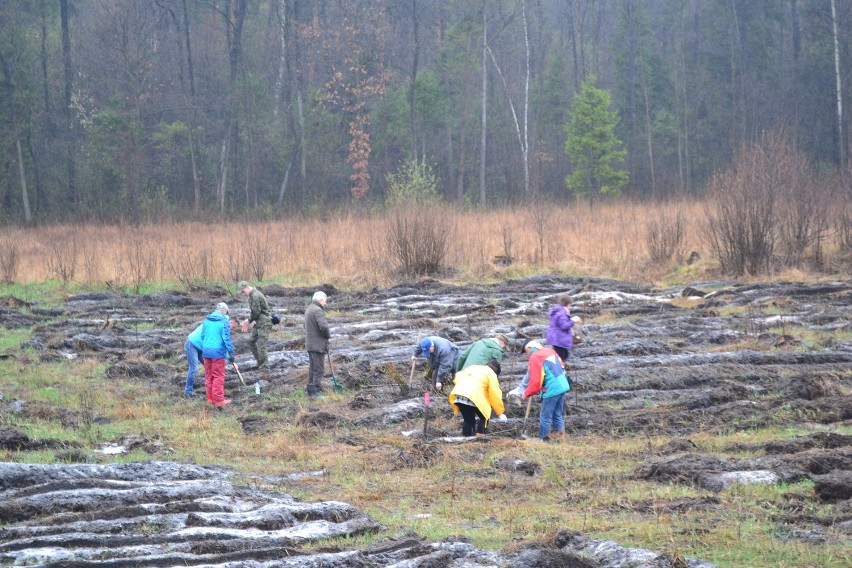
{"x":230,"y":358}
{"x":502,"y":418}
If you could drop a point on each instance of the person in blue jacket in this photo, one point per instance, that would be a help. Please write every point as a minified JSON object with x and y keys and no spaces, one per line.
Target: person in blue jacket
{"x":192,"y":348}
{"x":216,"y":348}
{"x":442,"y":354}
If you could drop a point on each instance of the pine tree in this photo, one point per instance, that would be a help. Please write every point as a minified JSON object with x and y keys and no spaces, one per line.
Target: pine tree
{"x":592,"y":146}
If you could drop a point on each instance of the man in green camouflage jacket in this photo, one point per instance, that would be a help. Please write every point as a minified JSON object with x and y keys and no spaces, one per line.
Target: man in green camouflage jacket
{"x":259,"y":316}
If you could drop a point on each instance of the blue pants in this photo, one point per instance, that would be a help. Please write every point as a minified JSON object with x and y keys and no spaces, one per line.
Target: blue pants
{"x":552,"y":410}
{"x":193,"y":357}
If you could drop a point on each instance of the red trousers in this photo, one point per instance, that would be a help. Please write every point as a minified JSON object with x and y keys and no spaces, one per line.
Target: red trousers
{"x":214,"y":380}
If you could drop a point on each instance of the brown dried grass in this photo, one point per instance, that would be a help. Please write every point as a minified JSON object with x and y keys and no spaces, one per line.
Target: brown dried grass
{"x":607,"y":239}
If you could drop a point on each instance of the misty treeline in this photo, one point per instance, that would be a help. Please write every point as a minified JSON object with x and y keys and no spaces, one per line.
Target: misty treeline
{"x":147,"y":109}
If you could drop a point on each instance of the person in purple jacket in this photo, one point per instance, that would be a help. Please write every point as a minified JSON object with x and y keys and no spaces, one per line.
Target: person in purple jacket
{"x":560,"y":333}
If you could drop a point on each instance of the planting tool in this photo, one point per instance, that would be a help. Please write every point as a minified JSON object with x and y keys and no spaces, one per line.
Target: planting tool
{"x":526,"y":417}
{"x":239,"y":374}
{"x":411,"y":375}
{"x":337,"y":386}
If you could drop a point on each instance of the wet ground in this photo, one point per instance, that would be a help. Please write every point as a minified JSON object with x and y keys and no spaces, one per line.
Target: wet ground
{"x":715,"y":357}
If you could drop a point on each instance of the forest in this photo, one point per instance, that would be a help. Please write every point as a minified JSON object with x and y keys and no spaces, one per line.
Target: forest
{"x":142,"y":110}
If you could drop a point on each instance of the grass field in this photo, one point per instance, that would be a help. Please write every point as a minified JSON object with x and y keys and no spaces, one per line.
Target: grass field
{"x":583,"y":484}
{"x":608,"y":239}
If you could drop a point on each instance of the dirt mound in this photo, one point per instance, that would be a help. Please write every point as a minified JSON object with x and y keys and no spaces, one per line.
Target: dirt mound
{"x":15,"y":440}
{"x":419,"y":454}
{"x":677,"y":445}
{"x":138,"y":369}
{"x":255,"y":425}
{"x":538,"y":556}
{"x":319,"y":419}
{"x":686,"y":468}
{"x":812,"y":388}
{"x":13,"y":319}
{"x":825,"y":440}
{"x":834,"y":486}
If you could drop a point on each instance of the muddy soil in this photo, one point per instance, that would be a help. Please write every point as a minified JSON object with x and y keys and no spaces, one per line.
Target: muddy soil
{"x":715,"y":357}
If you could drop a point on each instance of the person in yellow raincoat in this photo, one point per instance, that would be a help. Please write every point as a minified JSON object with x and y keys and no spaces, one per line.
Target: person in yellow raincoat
{"x":475,"y":394}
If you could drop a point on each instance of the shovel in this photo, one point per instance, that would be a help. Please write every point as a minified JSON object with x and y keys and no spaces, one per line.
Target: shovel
{"x":411,"y":375}
{"x":526,"y":417}
{"x":239,"y":374}
{"x":337,"y":386}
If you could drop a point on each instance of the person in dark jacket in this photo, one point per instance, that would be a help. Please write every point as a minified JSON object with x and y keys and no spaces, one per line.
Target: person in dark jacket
{"x":442,"y":355}
{"x":482,"y":351}
{"x":317,"y":335}
{"x":262,"y":325}
{"x":216,"y":347}
{"x":560,"y":332}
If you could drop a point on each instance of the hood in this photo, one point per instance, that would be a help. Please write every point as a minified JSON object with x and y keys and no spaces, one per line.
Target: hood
{"x":555,"y":309}
{"x":217,"y":316}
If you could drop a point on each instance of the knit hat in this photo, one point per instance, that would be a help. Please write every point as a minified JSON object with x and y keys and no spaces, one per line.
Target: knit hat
{"x":425,"y":345}
{"x":222,"y":306}
{"x":532,"y":345}
{"x":242,"y":285}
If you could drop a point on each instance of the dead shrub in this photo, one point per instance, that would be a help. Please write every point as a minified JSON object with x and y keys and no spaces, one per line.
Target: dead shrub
{"x":769,"y":202}
{"x":540,"y":218}
{"x":802,"y":211}
{"x":91,"y":263}
{"x":9,"y":259}
{"x":190,"y":266}
{"x":843,"y":214}
{"x":664,"y":237}
{"x":741,"y":212}
{"x":417,"y":240}
{"x":62,"y":259}
{"x":235,"y":266}
{"x":142,"y":261}
{"x":258,"y":250}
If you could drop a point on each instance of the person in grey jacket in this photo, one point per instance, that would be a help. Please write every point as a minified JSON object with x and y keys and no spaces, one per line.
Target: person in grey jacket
{"x":317,"y":335}
{"x":442,"y":355}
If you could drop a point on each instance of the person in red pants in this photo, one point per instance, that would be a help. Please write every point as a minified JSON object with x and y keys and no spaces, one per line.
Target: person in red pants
{"x":216,"y":348}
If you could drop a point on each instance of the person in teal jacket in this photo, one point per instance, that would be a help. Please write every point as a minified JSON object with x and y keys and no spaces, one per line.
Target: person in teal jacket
{"x":192,"y":348}
{"x":482,"y":351}
{"x":216,"y":347}
{"x":547,"y":376}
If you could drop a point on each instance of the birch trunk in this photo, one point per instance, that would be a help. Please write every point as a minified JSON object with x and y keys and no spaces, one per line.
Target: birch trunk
{"x":282,"y":59}
{"x":841,"y":146}
{"x":412,"y":89}
{"x":70,"y":142}
{"x":483,"y":137}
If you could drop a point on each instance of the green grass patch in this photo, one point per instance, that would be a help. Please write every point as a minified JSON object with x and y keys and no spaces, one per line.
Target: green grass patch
{"x":12,"y":338}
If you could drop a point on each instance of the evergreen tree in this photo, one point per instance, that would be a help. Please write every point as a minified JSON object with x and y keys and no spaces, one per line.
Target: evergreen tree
{"x":592,"y":146}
